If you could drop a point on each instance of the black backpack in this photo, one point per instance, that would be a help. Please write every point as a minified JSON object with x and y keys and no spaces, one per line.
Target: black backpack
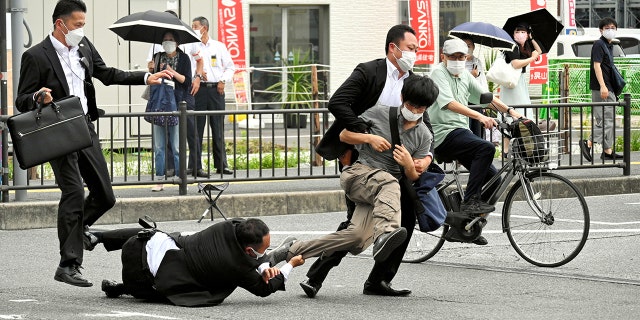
{"x":529,"y":143}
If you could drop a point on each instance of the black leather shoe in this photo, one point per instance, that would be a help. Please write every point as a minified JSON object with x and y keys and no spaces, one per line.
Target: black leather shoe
{"x":225,"y":171}
{"x":112,"y":289}
{"x":202,"y":174}
{"x":586,"y":151}
{"x":89,"y":240}
{"x":387,"y":242}
{"x":71,"y":275}
{"x":170,"y":173}
{"x":383,"y":288}
{"x":611,"y":156}
{"x":310,"y":288}
{"x":481,"y":241}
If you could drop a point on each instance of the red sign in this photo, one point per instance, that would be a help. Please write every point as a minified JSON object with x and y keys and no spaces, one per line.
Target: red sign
{"x":571,"y":5}
{"x":421,"y":22}
{"x":231,"y":30}
{"x":539,"y":71}
{"x":538,"y":4}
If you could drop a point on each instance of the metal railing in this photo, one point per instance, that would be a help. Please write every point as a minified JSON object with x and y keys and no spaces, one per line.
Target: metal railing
{"x":261,"y":147}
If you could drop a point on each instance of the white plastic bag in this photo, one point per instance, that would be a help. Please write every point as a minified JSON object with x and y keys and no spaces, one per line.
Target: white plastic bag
{"x":503,"y":73}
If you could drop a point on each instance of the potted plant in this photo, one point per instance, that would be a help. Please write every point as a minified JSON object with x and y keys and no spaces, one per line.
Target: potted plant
{"x":295,"y":90}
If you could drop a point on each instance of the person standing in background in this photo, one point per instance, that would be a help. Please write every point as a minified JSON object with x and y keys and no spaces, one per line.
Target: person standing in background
{"x":601,"y":85}
{"x":218,"y":70}
{"x":525,"y":52}
{"x":195,"y":153}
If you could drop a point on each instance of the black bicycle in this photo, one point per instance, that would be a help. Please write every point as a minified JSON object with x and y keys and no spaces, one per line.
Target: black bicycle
{"x":544,"y":215}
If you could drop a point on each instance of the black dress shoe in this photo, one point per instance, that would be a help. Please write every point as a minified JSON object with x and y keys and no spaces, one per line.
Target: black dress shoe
{"x":225,"y":171}
{"x":310,"y":288}
{"x":481,"y":241}
{"x":586,"y":151}
{"x":71,"y":275}
{"x":112,"y":288}
{"x":611,"y":156}
{"x":202,"y":174}
{"x":387,"y":242}
{"x":170,"y":173}
{"x":383,"y":288}
{"x":89,"y":240}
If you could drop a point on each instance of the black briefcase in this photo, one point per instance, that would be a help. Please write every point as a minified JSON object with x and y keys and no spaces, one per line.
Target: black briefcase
{"x":49,"y":132}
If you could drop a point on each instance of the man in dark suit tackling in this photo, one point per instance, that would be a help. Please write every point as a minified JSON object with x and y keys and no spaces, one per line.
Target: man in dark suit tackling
{"x":376,"y":81}
{"x":199,"y":269}
{"x":61,"y":65}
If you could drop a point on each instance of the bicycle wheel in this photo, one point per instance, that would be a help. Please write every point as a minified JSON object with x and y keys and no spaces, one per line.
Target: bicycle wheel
{"x":560,"y":234}
{"x":424,"y":245}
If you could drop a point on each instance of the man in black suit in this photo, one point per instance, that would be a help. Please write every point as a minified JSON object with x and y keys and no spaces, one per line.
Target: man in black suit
{"x":61,"y":65}
{"x":197,"y":270}
{"x":377,"y":81}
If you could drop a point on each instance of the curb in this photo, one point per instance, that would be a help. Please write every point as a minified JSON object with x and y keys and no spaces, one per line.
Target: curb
{"x":22,"y":215}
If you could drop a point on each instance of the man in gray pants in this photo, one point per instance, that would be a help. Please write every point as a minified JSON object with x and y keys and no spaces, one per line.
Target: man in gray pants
{"x":372,"y":181}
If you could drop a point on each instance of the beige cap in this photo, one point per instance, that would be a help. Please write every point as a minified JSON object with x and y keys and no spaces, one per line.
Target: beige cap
{"x":454,"y":45}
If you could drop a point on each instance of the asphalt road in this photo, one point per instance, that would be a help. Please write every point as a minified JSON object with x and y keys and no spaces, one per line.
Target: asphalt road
{"x":460,"y":282}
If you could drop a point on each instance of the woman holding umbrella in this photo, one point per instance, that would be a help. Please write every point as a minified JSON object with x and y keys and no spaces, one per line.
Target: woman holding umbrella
{"x":526,"y":51}
{"x":178,"y":64}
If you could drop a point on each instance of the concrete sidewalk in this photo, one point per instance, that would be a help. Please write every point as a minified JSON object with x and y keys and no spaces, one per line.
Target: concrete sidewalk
{"x":261,"y":198}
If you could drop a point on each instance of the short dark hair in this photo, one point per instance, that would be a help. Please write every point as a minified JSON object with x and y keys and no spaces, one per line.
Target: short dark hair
{"x":419,"y":90}
{"x":203,"y":21}
{"x":250,"y":232}
{"x":64,"y":9}
{"x":607,"y":21}
{"x":174,"y":33}
{"x":395,"y":34}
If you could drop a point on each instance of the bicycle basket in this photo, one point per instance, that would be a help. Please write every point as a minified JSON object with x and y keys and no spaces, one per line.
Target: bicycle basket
{"x":538,"y":150}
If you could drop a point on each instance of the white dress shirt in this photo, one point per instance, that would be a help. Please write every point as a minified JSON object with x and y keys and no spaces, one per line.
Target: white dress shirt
{"x":73,"y":70}
{"x":218,"y":65}
{"x":392,"y":93}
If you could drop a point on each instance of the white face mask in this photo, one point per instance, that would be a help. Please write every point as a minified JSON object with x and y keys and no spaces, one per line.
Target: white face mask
{"x":73,"y":37}
{"x":410,"y":116}
{"x":258,"y":254}
{"x":520,"y":37}
{"x":609,"y":34}
{"x":198,"y":33}
{"x":456,"y":67}
{"x":169,"y":46}
{"x":407,"y":60}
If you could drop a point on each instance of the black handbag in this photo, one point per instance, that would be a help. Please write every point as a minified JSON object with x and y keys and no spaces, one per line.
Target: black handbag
{"x":49,"y":131}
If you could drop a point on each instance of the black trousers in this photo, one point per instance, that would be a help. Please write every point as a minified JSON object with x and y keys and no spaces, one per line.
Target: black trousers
{"x":74,"y":210}
{"x":195,"y":146}
{"x":208,"y":99}
{"x":136,"y":277}
{"x":384,"y":270}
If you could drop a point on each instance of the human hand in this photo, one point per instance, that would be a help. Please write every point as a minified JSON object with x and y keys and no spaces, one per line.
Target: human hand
{"x":297,"y":261}
{"x":195,"y":85}
{"x":422,"y":164}
{"x":378,"y":143}
{"x":220,"y":88}
{"x":402,"y":156}
{"x":269,"y":273}
{"x":488,"y":122}
{"x":47,"y":96}
{"x":150,"y":66}
{"x":475,"y":71}
{"x":604,"y":92}
{"x":156,"y":78}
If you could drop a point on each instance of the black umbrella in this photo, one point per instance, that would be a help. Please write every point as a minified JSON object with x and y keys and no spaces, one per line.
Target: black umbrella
{"x":150,"y":26}
{"x":545,"y":28}
{"x":485,"y":34}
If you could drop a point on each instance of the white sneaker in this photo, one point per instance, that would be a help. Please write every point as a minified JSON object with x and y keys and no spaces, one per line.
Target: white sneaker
{"x":157,"y":188}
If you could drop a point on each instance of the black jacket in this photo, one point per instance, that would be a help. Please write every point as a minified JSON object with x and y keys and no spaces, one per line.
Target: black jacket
{"x":209,"y":266}
{"x":40,"y":67}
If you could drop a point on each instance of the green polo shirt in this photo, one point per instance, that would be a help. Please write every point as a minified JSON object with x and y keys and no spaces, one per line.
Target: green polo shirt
{"x":462,"y":89}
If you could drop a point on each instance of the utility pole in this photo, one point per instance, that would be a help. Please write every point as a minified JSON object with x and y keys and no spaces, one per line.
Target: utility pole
{"x":17,"y":8}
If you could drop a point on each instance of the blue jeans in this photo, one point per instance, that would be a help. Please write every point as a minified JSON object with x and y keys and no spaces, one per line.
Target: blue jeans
{"x":160,"y":133}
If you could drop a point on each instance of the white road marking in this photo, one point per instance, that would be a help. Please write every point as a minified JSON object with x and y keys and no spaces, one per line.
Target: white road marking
{"x":124,"y":314}
{"x":11,"y":316}
{"x":23,"y":300}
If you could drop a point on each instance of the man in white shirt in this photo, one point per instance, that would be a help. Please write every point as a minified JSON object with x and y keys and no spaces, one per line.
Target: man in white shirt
{"x":218,"y":70}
